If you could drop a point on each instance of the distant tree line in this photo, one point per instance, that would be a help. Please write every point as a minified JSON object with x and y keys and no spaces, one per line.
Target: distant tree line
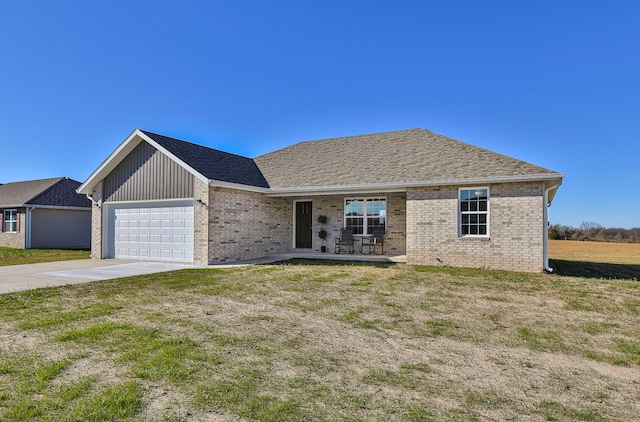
{"x":594,"y":232}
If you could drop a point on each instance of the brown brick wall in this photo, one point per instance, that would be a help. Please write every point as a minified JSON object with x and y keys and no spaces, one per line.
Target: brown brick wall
{"x":245,"y":225}
{"x":516,"y":229}
{"x":232,"y":225}
{"x":18,"y":239}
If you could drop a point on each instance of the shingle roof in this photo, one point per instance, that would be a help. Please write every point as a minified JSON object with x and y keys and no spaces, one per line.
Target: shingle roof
{"x":406,"y":156}
{"x":389,"y":160}
{"x":213,"y":164}
{"x":58,"y":191}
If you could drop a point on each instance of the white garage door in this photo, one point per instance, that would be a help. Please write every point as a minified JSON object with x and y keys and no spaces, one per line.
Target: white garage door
{"x":160,"y":231}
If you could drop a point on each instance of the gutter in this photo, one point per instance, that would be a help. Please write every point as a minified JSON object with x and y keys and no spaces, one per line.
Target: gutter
{"x":403,"y":186}
{"x":238,"y":186}
{"x":58,"y":207}
{"x":51,"y":207}
{"x":545,"y":227}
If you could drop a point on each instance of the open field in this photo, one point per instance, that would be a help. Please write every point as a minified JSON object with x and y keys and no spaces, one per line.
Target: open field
{"x":595,"y":259}
{"x":13,"y":256}
{"x":323,"y":342}
{"x":604,"y":252}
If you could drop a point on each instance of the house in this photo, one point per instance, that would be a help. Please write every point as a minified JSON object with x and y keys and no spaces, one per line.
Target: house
{"x":45,"y":213}
{"x":440,"y":201}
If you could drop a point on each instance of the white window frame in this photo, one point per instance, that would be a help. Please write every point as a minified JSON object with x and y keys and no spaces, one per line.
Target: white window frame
{"x":7,"y":219}
{"x":478,"y":212}
{"x":366,"y":217}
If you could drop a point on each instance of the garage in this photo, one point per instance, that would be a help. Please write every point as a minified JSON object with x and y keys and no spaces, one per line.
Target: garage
{"x":150,"y":231}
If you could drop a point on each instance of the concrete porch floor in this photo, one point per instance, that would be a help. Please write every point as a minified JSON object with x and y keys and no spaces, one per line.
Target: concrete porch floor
{"x":308,"y":254}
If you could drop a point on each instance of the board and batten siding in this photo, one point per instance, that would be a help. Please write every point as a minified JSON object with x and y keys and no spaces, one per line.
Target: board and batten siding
{"x":147,"y":174}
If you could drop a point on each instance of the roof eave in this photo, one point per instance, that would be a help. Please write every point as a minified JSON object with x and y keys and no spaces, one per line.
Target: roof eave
{"x":238,"y":186}
{"x":403,"y":186}
{"x":553,"y":185}
{"x":59,"y":207}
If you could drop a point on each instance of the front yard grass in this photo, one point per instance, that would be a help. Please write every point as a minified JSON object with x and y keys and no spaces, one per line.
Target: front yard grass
{"x":14,"y":256}
{"x":323,"y":342}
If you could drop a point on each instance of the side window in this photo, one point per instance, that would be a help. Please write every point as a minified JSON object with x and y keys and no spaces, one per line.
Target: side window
{"x":474,"y":212}
{"x":10,"y":221}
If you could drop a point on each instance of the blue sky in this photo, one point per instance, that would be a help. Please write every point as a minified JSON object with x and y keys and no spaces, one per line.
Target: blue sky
{"x":555,"y":83}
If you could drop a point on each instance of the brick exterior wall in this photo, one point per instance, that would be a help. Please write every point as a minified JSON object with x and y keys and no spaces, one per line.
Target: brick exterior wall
{"x":200,"y":222}
{"x":96,"y":222}
{"x":515,"y":228}
{"x":17,"y":239}
{"x":333,"y":207}
{"x":246,"y":225}
{"x":232,"y":225}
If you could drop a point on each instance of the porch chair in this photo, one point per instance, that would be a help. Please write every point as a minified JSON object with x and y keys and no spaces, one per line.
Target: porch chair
{"x":371,"y":242}
{"x":345,"y":241}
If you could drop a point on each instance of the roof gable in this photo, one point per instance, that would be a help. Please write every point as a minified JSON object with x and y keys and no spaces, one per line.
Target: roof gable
{"x":207,"y":164}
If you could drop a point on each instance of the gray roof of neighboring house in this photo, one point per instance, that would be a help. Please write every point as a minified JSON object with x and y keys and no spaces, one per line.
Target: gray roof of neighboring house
{"x":58,"y":191}
{"x":213,"y":164}
{"x":400,"y":157}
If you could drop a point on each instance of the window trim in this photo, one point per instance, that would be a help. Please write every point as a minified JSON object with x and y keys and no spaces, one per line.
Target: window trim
{"x":365,"y":217}
{"x":487,"y":213}
{"x":16,"y":221}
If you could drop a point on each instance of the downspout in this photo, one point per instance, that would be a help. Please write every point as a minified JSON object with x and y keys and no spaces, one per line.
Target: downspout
{"x":27,"y":228}
{"x":545,"y":228}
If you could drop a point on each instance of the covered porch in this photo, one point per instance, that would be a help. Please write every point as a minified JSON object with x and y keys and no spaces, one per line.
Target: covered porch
{"x":362,"y":213}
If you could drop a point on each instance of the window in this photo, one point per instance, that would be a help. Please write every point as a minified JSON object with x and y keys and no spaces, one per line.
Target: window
{"x":10,"y":221}
{"x":474,"y":212}
{"x":362,"y":215}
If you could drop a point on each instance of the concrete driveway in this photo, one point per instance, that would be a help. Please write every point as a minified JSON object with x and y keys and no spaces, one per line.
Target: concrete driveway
{"x":61,"y":273}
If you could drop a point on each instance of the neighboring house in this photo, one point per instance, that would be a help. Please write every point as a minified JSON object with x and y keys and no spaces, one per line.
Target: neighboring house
{"x":45,"y":213}
{"x":440,"y":201}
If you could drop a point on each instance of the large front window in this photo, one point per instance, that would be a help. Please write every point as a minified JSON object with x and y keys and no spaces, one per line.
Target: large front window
{"x":474,"y":212}
{"x":10,"y":223}
{"x":362,"y":215}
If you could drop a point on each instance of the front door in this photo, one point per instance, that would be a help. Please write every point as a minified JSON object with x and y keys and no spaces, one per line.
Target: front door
{"x":304,"y":224}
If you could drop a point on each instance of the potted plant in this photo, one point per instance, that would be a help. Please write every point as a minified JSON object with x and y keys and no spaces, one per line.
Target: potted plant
{"x":322,"y":234}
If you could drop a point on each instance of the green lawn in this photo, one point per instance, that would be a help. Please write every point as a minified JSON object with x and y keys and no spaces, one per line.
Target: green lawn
{"x":323,"y":342}
{"x":13,"y":256}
